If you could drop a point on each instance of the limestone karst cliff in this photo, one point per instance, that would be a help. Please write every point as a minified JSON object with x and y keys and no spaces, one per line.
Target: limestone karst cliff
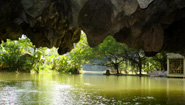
{"x":151,"y":25}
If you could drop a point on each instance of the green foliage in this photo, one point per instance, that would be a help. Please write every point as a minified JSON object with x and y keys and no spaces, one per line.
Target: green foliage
{"x":111,"y":53}
{"x":22,"y":55}
{"x":63,"y":63}
{"x":158,"y":62}
{"x":9,"y":54}
{"x":78,"y":55}
{"x":13,"y":56}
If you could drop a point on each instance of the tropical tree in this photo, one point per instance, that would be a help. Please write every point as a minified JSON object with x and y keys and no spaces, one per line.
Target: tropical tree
{"x":136,"y":57}
{"x":110,"y":53}
{"x":81,"y":53}
{"x":159,"y":61}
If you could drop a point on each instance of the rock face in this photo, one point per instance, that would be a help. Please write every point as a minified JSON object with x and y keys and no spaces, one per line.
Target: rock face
{"x":151,"y":25}
{"x":46,"y":22}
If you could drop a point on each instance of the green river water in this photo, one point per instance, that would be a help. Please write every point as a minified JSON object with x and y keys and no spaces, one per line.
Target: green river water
{"x":89,"y":89}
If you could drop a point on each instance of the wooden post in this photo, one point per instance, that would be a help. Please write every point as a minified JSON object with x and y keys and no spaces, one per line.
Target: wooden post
{"x":168,"y":66}
{"x":183,"y":67}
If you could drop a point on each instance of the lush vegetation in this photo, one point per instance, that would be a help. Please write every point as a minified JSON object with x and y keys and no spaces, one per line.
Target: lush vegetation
{"x":22,"y":55}
{"x":117,"y":56}
{"x":15,"y":55}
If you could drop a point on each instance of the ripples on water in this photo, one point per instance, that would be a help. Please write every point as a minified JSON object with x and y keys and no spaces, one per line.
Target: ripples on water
{"x":26,"y":89}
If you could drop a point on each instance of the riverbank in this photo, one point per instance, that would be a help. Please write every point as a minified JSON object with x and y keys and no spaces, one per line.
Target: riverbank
{"x":150,"y":73}
{"x":40,"y":72}
{"x":129,"y":74}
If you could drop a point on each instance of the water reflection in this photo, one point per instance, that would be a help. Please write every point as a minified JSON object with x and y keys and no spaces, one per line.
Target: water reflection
{"x":60,"y":89}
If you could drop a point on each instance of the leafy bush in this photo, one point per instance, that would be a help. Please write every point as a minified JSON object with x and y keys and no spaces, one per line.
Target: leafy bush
{"x":63,"y":64}
{"x":10,"y":56}
{"x":14,"y":58}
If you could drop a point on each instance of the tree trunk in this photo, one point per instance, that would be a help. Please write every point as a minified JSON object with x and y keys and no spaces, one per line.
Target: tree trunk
{"x":162,"y":66}
{"x":165,"y":66}
{"x":140,"y":66}
{"x":117,"y":71}
{"x":126,"y":66}
{"x":140,"y":69}
{"x":33,"y":59}
{"x":116,"y":67}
